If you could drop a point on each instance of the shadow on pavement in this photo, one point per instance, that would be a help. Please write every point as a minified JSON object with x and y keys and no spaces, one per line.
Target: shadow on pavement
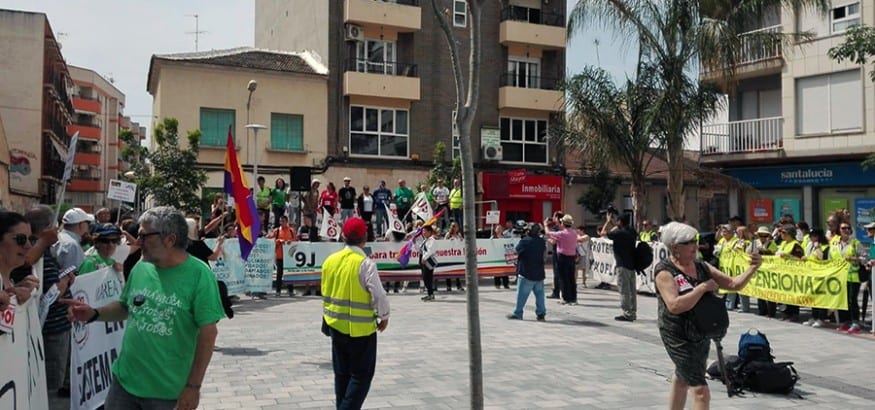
{"x":575,"y":322}
{"x":242,"y":351}
{"x":321,"y":365}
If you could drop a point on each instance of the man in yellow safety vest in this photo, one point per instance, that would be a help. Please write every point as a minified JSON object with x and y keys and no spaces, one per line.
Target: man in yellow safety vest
{"x":354,"y":308}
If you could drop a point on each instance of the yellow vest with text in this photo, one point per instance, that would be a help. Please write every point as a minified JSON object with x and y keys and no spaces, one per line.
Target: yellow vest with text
{"x":456,"y":198}
{"x":346,"y":305}
{"x":836,"y":252}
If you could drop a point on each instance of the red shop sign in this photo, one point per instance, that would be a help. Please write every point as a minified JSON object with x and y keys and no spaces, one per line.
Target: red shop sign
{"x":517,"y":176}
{"x":498,"y":186}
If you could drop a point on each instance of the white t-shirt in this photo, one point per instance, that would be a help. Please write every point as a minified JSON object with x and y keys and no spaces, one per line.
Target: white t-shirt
{"x":368,"y":203}
{"x":441,"y":194}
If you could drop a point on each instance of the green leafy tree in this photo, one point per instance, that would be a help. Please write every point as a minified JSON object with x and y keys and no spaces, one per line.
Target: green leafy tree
{"x":175,"y":178}
{"x":443,"y":169}
{"x":859,"y":48}
{"x":601,"y":192}
{"x":676,"y":38}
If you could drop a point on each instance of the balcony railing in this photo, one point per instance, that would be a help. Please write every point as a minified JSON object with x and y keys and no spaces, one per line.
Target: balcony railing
{"x":533,"y":16}
{"x":755,"y":46}
{"x":529,"y":81}
{"x":748,"y":136}
{"x":381,"y":67}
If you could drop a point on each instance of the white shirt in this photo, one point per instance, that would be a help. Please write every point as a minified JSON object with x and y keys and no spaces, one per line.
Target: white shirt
{"x":441,"y":195}
{"x":369,"y":278}
{"x":427,"y":248}
{"x":368,"y":203}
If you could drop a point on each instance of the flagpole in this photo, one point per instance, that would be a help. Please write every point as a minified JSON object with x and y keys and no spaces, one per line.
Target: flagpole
{"x":68,"y":171}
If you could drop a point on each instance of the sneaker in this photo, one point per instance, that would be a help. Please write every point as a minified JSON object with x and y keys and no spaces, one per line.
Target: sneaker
{"x":622,"y":318}
{"x":541,"y":318}
{"x":818,"y":323}
{"x":512,"y":316}
{"x":808,"y":322}
{"x":571,"y":303}
{"x":854,"y":329}
{"x":553,"y":297}
{"x":843,"y":328}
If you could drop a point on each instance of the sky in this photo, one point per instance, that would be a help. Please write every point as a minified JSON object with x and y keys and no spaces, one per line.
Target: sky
{"x":116,"y":38}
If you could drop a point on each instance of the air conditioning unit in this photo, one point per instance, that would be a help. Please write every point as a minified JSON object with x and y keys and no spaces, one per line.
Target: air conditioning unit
{"x":354,"y":33}
{"x":491,"y":152}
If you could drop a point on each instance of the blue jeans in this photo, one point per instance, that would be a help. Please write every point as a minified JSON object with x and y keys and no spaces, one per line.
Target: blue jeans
{"x":382,"y":220}
{"x":523,"y":288}
{"x":354,"y":360}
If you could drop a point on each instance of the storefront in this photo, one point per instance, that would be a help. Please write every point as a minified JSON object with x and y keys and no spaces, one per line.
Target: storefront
{"x":520,"y":196}
{"x":809,"y":192}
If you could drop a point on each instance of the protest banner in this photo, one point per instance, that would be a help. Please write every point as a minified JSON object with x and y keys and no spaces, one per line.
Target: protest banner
{"x":23,"y":379}
{"x":254,"y":275}
{"x":811,"y":283}
{"x":94,"y":347}
{"x":603,"y":264}
{"x":495,"y":257}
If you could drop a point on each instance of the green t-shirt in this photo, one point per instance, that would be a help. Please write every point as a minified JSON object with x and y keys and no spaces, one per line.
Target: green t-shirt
{"x":262,"y":197}
{"x":403,"y":197}
{"x":161,"y":335}
{"x":278,"y":197}
{"x":94,"y":262}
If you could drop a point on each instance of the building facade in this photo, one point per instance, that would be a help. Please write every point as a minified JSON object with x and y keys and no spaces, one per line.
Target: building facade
{"x":209,"y":91}
{"x":799,"y":122}
{"x":98,"y":115}
{"x":35,"y":105}
{"x":391,"y":93}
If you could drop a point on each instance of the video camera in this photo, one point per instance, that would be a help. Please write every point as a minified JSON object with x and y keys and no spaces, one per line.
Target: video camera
{"x":609,"y":210}
{"x":521,"y":228}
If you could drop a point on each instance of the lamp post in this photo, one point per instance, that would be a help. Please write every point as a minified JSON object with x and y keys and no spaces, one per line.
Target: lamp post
{"x":255,"y":128}
{"x":130,"y":176}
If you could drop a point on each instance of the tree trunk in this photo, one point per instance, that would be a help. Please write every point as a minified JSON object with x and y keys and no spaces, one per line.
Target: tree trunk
{"x":467,"y":99}
{"x":676,"y":194}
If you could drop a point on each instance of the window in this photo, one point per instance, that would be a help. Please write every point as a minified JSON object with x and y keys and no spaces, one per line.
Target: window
{"x":530,"y":15}
{"x":845,"y":17}
{"x":524,"y":140}
{"x":214,"y":126}
{"x":286,"y":132}
{"x":377,"y":131}
{"x":460,"y":13}
{"x":524,"y":73}
{"x":829,"y":103}
{"x":375,"y":56}
{"x":457,"y":153}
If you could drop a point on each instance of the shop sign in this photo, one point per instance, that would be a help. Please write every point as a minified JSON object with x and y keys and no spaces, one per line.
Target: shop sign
{"x":761,"y":211}
{"x":834,"y":174}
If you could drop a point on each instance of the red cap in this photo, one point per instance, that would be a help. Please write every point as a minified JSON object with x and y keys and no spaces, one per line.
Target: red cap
{"x":355,"y":229}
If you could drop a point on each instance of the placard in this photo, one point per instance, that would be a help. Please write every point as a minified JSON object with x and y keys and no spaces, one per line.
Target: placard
{"x":122,"y":191}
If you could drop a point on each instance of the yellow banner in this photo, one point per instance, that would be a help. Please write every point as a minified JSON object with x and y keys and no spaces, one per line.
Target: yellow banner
{"x":812,"y":283}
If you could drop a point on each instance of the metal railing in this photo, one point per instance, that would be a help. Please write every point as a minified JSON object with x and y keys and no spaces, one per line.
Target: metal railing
{"x":533,"y":16}
{"x":529,"y":81}
{"x":381,"y":67}
{"x":757,"y":135}
{"x":756,"y":47}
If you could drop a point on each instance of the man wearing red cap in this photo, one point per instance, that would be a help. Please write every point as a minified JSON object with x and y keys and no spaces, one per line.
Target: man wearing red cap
{"x":352,"y":313}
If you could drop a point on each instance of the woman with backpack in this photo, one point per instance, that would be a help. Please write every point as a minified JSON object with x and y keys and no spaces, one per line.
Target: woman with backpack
{"x":684,"y":285}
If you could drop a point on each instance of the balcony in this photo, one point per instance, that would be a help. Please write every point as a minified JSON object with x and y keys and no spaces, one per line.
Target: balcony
{"x":86,"y":158}
{"x":86,"y":131}
{"x":399,"y":15}
{"x":741,"y":137}
{"x":530,"y":93}
{"x":381,"y":79}
{"x":84,"y":184}
{"x":530,"y":27}
{"x":758,"y":55}
{"x":86,"y":105}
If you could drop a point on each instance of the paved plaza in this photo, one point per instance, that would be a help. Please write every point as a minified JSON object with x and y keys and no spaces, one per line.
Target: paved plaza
{"x":273,"y":356}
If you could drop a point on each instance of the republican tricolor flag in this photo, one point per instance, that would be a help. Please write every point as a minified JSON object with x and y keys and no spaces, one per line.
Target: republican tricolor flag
{"x":248,"y":223}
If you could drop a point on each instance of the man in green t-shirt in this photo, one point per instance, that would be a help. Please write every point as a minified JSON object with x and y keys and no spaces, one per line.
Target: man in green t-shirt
{"x":403,"y":200}
{"x":171,"y":304}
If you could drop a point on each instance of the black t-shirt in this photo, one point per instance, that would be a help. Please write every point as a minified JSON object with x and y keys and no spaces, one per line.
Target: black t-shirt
{"x":624,"y":247}
{"x":308,"y":233}
{"x":200,"y":250}
{"x":347,"y":197}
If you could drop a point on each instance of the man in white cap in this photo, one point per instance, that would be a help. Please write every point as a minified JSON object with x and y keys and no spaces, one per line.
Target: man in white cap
{"x":347,"y":200}
{"x":68,"y":250}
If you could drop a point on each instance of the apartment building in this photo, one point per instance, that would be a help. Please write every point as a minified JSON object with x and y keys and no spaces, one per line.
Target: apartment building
{"x":35,"y":105}
{"x":283,"y":93}
{"x":799,"y":123}
{"x":97,"y":116}
{"x":391,"y":94}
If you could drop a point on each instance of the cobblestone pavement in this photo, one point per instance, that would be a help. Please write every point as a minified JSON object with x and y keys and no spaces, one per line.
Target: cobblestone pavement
{"x":273,"y":356}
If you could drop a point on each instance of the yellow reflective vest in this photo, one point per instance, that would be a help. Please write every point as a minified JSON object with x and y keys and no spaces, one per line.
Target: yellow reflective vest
{"x":839,"y":251}
{"x":456,"y":198}
{"x":346,"y":305}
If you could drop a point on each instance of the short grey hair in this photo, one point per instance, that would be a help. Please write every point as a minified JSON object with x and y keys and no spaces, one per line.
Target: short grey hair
{"x":676,"y":232}
{"x":167,"y":220}
{"x":40,"y":217}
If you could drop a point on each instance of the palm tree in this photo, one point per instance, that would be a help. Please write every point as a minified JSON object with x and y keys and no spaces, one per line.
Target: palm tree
{"x":676,"y":38}
{"x":608,"y":123}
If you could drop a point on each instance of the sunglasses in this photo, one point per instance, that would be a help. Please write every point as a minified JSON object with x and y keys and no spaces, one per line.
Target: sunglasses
{"x":22,"y":239}
{"x":845,"y":228}
{"x":116,"y":241}
{"x":142,"y":236}
{"x":689,"y":242}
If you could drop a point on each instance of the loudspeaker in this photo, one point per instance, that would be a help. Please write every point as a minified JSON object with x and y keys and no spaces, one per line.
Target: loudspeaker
{"x":299,"y":179}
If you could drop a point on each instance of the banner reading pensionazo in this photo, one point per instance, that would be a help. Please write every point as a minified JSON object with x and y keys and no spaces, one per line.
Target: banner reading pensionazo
{"x":812,"y":283}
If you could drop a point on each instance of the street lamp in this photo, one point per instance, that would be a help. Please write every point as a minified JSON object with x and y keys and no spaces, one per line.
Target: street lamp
{"x":130,"y":175}
{"x":255,"y":128}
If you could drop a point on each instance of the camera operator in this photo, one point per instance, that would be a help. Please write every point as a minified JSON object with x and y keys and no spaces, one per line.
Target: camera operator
{"x":554,"y":225}
{"x":618,"y":229}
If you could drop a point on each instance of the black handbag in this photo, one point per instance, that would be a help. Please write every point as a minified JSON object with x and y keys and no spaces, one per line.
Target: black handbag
{"x":710,"y":316}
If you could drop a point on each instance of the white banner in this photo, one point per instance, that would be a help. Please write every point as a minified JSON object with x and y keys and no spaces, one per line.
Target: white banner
{"x":603,"y":263}
{"x":94,"y":347}
{"x":254,"y":275}
{"x":23,"y":378}
{"x":122,"y":191}
{"x":421,"y":208}
{"x":329,"y":228}
{"x":395,"y":224}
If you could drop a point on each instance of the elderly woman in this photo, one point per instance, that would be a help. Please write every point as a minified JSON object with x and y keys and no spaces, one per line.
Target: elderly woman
{"x":15,"y":241}
{"x":681,"y":280}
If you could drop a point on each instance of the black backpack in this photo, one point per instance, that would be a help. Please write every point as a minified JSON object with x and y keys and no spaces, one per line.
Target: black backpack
{"x":643,"y":256}
{"x":755,"y":368}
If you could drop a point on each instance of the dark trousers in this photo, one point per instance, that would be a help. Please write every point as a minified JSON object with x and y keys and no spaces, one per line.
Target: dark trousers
{"x":566,"y":278}
{"x":766,"y":308}
{"x":367,"y":217}
{"x":354,"y":360}
{"x":428,"y":278}
{"x":442,"y":223}
{"x":819,"y":314}
{"x":502,"y":281}
{"x":456,"y":215}
{"x":278,"y":212}
{"x":450,"y":283}
{"x":405,"y":214}
{"x":279,"y":276}
{"x":853,"y":312}
{"x":557,"y":281}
